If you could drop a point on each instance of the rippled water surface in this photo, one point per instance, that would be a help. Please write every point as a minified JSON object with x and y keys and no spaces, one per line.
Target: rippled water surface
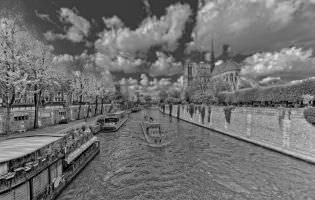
{"x":198,"y":164}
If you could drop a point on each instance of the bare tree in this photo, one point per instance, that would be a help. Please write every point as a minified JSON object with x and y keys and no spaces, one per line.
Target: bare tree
{"x":79,"y":81}
{"x":40,"y":73}
{"x":13,"y":56}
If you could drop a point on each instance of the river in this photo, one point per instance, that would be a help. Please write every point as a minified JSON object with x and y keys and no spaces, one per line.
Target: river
{"x":198,"y":164}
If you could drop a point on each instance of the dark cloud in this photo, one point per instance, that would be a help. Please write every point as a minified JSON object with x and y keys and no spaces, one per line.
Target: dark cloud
{"x":254,"y":25}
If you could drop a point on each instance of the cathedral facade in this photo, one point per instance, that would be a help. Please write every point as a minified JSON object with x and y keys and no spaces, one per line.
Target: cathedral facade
{"x":221,"y":69}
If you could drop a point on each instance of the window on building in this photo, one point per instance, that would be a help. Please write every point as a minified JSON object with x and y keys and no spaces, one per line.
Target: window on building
{"x":62,"y":113}
{"x":21,"y":118}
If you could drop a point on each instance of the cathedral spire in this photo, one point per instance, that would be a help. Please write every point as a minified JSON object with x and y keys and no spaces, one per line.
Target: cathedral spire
{"x":212,"y":56}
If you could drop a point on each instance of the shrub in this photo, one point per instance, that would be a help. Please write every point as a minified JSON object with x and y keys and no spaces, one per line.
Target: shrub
{"x":307,"y":99}
{"x":281,"y":117}
{"x":228,"y":112}
{"x":191,"y":110}
{"x":309,"y":115}
{"x":171,"y":108}
{"x":203,"y":113}
{"x":209,"y":113}
{"x":277,"y":94}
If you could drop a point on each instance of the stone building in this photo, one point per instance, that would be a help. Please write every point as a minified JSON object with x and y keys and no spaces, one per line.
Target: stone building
{"x":222,"y":68}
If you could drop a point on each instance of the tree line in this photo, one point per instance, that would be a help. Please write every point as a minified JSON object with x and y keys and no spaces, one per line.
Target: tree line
{"x":27,"y":70}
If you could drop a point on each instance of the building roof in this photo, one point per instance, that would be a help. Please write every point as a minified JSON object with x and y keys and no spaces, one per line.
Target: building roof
{"x":18,"y":147}
{"x":226,"y":66}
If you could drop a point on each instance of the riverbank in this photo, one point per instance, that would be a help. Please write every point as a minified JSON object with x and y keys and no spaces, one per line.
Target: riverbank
{"x":22,"y":118}
{"x":283,"y":130}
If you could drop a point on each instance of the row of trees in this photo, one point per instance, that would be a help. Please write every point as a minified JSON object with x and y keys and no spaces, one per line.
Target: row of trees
{"x":298,"y":94}
{"x":172,"y":96}
{"x":27,"y":68}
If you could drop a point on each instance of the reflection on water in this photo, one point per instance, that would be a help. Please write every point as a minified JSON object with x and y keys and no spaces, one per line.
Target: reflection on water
{"x":198,"y":164}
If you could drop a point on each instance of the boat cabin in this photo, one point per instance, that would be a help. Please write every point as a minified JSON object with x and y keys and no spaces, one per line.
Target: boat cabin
{"x":153,"y":129}
{"x":116,"y":115}
{"x":111,"y":118}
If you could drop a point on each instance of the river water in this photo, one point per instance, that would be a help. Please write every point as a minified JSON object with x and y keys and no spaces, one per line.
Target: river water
{"x":198,"y":164}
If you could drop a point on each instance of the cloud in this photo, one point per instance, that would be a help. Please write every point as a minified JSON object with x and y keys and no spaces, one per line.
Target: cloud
{"x":118,"y":63}
{"x":113,"y":22}
{"x":147,"y":86}
{"x":77,"y":31}
{"x":152,"y":32}
{"x":63,"y":58}
{"x":179,"y":84}
{"x":288,"y":64}
{"x":121,"y":49}
{"x":42,"y":16}
{"x":144,"y":80}
{"x":254,"y":25}
{"x":81,"y":24}
{"x":165,"y":66}
{"x":271,"y":81}
{"x":51,"y":36}
{"x":84,"y":62}
{"x":147,"y":7}
{"x":152,"y":87}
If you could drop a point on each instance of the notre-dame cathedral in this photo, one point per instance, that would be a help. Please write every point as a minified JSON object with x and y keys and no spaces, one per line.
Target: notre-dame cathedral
{"x":222,"y":68}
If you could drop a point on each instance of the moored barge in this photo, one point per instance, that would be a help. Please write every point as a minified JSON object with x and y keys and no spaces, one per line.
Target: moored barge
{"x":42,"y":173}
{"x":112,"y":121}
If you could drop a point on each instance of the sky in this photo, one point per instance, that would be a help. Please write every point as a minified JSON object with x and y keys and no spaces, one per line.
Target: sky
{"x":145,"y":42}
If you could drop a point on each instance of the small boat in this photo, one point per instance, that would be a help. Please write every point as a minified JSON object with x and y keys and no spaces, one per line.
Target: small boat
{"x":153,"y":133}
{"x":135,"y":109}
{"x":112,"y":121}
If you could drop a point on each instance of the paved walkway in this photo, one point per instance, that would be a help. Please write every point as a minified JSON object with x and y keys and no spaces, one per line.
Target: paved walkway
{"x":48,"y":130}
{"x":17,"y":145}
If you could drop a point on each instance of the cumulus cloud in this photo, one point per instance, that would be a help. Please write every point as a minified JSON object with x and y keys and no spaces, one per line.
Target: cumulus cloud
{"x":43,"y":16}
{"x":179,"y":84}
{"x":254,"y":25}
{"x":151,"y":86}
{"x":147,"y":7}
{"x":51,"y":36}
{"x":271,"y":81}
{"x":165,"y":66}
{"x":77,"y":31}
{"x":118,"y":47}
{"x":118,"y":63}
{"x":83,"y":62}
{"x":118,"y":40}
{"x":63,"y":58}
{"x":144,"y":80}
{"x":287,"y":64}
{"x":113,"y":22}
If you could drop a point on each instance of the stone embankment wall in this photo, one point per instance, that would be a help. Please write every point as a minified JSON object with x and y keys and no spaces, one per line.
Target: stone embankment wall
{"x":280,"y":129}
{"x":22,"y":119}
